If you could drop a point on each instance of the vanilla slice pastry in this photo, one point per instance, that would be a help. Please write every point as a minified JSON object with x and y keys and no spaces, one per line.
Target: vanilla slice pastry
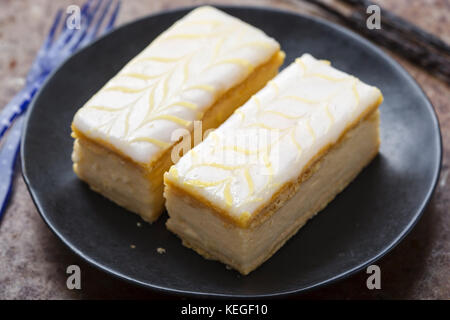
{"x":238,"y":196}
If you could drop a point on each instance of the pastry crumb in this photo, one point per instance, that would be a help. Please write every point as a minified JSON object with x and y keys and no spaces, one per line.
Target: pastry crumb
{"x":228,"y":267}
{"x":132,"y":246}
{"x":139,"y":224}
{"x":161,"y":250}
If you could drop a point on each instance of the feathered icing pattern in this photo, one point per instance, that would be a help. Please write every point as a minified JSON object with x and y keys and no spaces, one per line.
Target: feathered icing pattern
{"x":266,"y":111}
{"x":161,"y":84}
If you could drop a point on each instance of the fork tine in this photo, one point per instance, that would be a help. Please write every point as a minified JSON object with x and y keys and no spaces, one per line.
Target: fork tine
{"x":34,"y":70}
{"x":51,"y":34}
{"x":88,"y":17}
{"x":94,"y":11}
{"x":102,"y":17}
{"x":112,"y":20}
{"x":93,"y":31}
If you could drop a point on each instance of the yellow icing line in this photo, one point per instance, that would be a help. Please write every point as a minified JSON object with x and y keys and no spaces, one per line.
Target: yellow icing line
{"x":251,"y":187}
{"x":283,"y":115}
{"x":127,"y":121}
{"x":355,"y":91}
{"x":327,"y":77}
{"x":151,"y":103}
{"x":262,"y":126}
{"x":166,"y":85}
{"x":241,"y":113}
{"x":171,"y":118}
{"x":286,"y":131}
{"x":125,"y":89}
{"x":327,"y":110}
{"x":268,"y":165}
{"x":159,"y":59}
{"x":186,"y":104}
{"x":240,"y":150}
{"x":139,"y":75}
{"x":108,"y":122}
{"x":215,"y":165}
{"x":309,"y":101}
{"x":217,"y":49}
{"x":295,"y":142}
{"x":186,"y":69}
{"x":204,"y":184}
{"x":221,"y":166}
{"x":261,"y":44}
{"x":201,"y":87}
{"x":157,"y":142}
{"x":301,"y":64}
{"x":274,"y":86}
{"x":258,"y":103}
{"x":227,"y":194}
{"x":107,"y":109}
{"x":310,"y":130}
{"x":241,"y":62}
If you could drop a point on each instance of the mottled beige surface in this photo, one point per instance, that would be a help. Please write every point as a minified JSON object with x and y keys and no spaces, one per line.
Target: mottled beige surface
{"x":33,"y":261}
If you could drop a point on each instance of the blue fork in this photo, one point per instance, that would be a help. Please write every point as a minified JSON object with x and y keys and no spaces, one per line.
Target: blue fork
{"x":53,"y":51}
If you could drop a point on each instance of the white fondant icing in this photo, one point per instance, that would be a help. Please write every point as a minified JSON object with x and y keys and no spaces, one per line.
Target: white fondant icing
{"x":173,"y":82}
{"x":270,"y":139}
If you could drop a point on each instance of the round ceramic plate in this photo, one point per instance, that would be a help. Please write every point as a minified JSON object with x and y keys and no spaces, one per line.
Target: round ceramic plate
{"x":362,"y":224}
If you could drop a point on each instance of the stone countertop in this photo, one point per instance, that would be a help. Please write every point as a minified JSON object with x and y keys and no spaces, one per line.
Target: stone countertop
{"x":33,"y":261}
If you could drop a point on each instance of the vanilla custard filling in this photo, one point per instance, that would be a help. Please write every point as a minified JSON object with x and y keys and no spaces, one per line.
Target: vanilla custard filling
{"x":173,"y":82}
{"x":270,"y":140}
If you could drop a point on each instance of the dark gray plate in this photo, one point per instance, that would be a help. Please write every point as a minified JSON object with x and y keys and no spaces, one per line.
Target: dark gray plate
{"x":362,"y":224}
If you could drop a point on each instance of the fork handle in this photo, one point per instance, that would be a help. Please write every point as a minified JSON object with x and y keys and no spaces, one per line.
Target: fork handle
{"x":8,"y":154}
{"x":17,"y":106}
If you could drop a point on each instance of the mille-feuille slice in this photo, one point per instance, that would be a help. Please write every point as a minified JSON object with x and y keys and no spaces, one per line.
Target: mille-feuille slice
{"x":238,"y":196}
